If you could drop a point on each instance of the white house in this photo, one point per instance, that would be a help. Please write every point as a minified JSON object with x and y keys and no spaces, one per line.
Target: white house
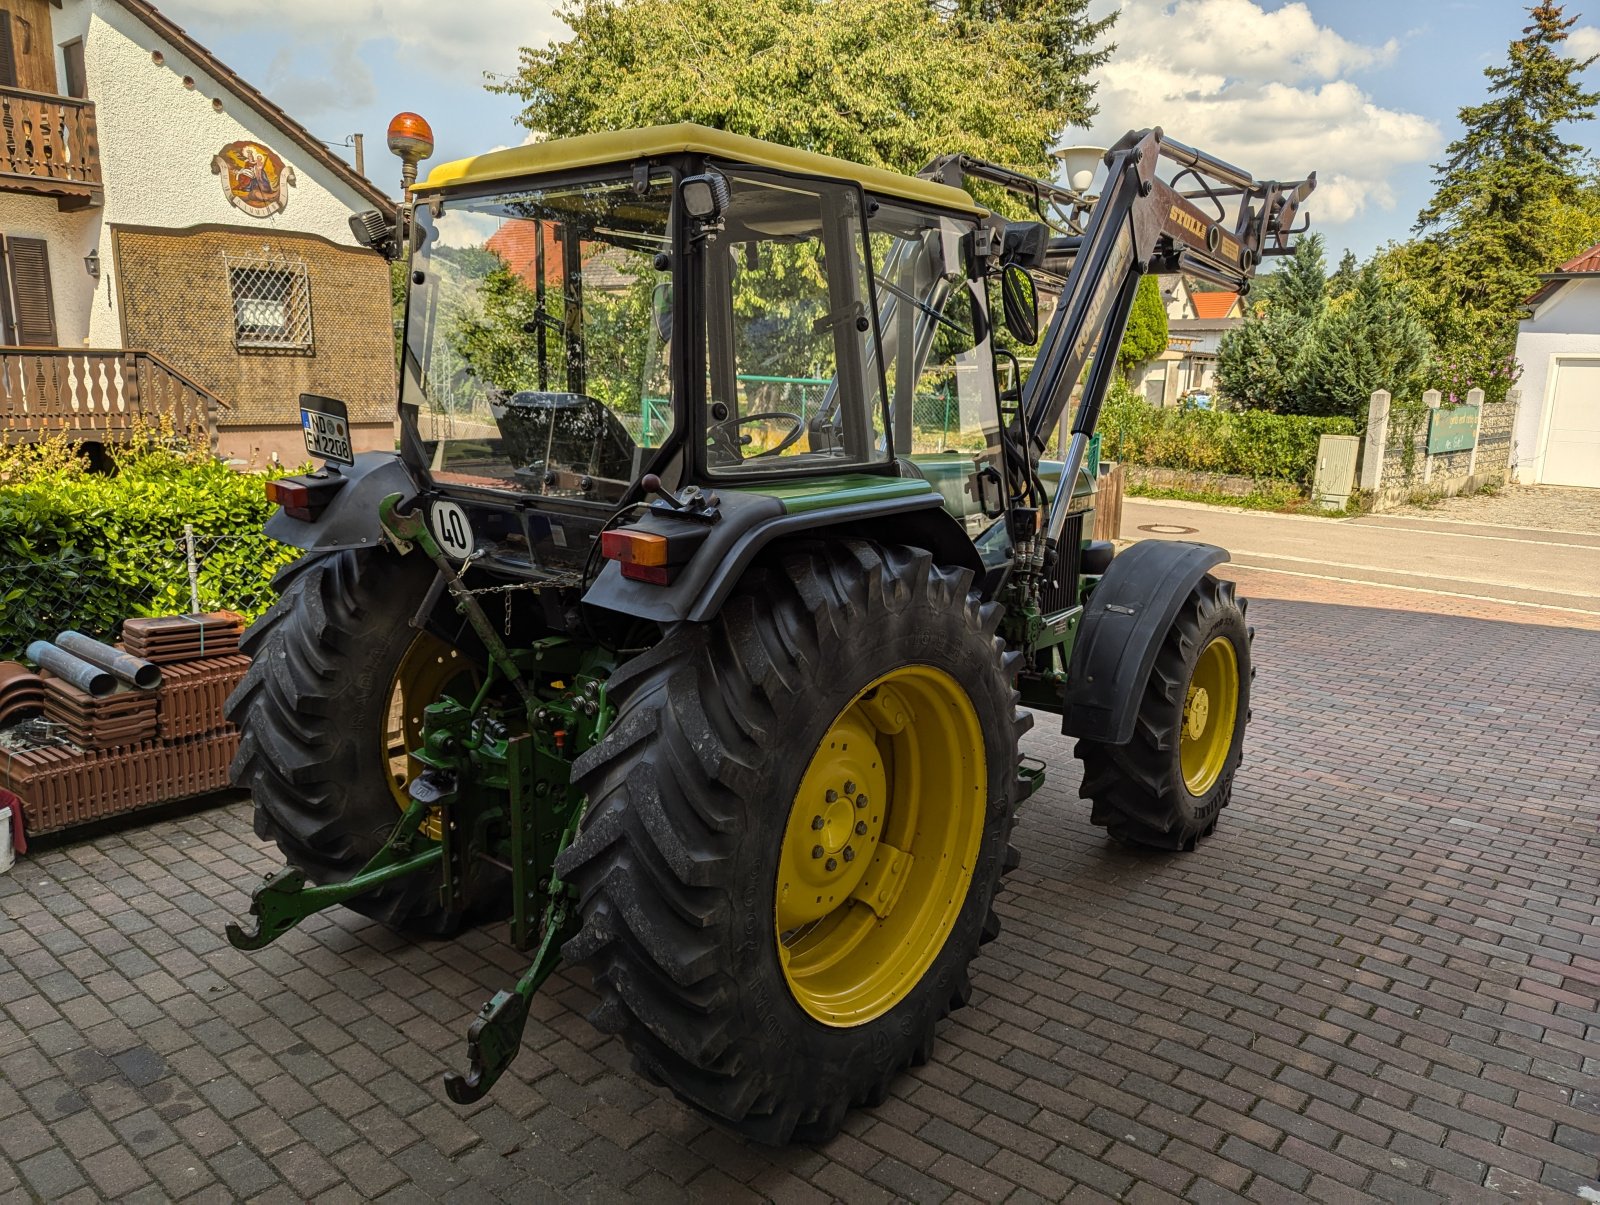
{"x":166,"y":231}
{"x":1558,"y":346}
{"x":1196,"y":322}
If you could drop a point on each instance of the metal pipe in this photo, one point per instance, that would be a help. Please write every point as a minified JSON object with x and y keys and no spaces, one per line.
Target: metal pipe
{"x":135,"y":671}
{"x":90,"y":679}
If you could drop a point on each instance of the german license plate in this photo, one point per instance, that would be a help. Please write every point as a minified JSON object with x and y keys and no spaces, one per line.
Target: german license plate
{"x":326,"y":424}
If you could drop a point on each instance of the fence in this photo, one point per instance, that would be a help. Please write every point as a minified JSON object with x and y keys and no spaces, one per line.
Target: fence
{"x":102,"y":395}
{"x":1426,"y":446}
{"x":93,"y":592}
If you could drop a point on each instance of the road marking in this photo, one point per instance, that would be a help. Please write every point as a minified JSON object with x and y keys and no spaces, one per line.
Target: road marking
{"x":1467,"y":535}
{"x":1438,"y":577}
{"x":1379,"y":521}
{"x":1356,"y":581}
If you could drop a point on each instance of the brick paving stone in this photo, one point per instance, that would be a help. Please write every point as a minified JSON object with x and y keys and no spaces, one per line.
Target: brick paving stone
{"x":1376,"y":980}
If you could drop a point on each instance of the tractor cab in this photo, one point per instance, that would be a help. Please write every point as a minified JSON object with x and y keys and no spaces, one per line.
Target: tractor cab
{"x":705,"y":308}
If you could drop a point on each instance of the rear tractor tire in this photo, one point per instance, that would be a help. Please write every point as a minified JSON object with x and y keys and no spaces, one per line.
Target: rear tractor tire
{"x":797,"y":825}
{"x":1166,"y":787}
{"x":334,"y":695}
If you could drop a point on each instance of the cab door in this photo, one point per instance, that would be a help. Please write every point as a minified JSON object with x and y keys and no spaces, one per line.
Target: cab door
{"x":938,"y":362}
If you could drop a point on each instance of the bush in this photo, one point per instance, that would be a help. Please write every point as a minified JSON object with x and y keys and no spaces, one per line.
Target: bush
{"x":1249,"y":443}
{"x":85,"y":551}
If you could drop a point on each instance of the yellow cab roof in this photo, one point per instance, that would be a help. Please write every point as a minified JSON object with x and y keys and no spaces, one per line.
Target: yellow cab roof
{"x":622,"y":146}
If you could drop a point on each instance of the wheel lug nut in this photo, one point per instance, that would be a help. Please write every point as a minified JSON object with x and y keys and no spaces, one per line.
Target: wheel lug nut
{"x":849,"y":788}
{"x":816,"y":822}
{"x":817,"y":851}
{"x":861,"y":828}
{"x":849,"y":854}
{"x":831,"y":797}
{"x":831,"y":864}
{"x":861,"y":801}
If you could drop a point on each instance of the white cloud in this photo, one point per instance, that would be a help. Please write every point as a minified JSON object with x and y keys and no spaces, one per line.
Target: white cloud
{"x":470,"y":36}
{"x":1266,"y":90}
{"x":1583,"y":41}
{"x":314,"y":81}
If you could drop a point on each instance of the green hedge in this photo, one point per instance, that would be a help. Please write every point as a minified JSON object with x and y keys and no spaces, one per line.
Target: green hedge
{"x":1247,"y":443}
{"x":85,"y":551}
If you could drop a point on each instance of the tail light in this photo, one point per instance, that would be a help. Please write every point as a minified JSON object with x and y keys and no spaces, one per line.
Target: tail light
{"x":305,"y":498}
{"x":651,"y":556}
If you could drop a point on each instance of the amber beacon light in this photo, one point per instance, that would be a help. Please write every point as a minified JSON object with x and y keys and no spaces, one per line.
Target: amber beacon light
{"x":410,"y":138}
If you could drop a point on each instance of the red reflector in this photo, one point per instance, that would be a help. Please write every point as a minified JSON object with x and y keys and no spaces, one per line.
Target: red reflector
{"x":656,"y":575}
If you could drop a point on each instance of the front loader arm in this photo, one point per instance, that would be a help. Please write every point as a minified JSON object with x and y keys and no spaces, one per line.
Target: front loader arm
{"x":1140,"y":224}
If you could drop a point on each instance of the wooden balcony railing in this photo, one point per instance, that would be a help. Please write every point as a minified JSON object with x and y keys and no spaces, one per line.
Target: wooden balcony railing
{"x":99,"y":396}
{"x":49,"y":144}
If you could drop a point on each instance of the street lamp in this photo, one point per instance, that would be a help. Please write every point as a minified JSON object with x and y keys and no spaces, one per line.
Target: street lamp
{"x":1080,"y":163}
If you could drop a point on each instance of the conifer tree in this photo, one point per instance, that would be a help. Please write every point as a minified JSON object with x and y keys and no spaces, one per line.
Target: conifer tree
{"x":1513,"y":198}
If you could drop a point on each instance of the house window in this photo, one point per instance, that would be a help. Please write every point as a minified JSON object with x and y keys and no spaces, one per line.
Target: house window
{"x":271,"y":304}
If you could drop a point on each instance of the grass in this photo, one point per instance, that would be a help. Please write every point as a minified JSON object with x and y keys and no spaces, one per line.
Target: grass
{"x":1280,"y":496}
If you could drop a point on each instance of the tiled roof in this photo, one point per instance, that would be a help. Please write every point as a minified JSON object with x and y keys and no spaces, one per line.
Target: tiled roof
{"x":225,"y":76}
{"x":1589,"y":261}
{"x":1587,"y":264}
{"x":518,"y":243}
{"x":1214,"y":305}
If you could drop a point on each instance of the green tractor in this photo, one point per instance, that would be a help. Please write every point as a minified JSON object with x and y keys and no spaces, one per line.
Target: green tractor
{"x":695,"y":626}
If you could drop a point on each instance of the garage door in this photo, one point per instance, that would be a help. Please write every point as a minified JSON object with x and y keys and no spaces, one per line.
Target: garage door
{"x":1572,"y":450}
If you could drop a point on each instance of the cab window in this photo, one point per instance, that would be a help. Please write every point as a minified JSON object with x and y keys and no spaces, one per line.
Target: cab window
{"x":791,"y":381}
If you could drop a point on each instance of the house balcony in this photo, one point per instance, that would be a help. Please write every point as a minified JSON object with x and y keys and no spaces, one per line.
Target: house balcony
{"x":97,"y":396}
{"x":49,"y":147}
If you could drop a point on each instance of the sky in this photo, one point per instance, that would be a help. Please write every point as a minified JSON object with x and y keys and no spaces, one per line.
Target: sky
{"x":1364,"y":92}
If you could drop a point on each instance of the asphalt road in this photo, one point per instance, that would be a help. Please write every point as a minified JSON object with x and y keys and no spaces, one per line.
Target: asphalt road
{"x":1557,"y":570}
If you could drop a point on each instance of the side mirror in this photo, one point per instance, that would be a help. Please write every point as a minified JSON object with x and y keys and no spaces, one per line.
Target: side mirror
{"x":661,"y":311}
{"x":704,"y":197}
{"x":1019,"y":297}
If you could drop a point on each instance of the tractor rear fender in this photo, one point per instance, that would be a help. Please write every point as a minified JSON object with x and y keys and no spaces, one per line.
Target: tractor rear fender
{"x":1124,"y":624}
{"x":751,"y":522}
{"x":351,"y":518}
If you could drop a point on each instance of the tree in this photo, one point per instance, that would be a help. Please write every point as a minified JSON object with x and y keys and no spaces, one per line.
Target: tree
{"x":490,"y":336}
{"x":887,"y":83}
{"x":1375,"y":340}
{"x":1512,"y":199}
{"x":1261,"y":364}
{"x":1146,"y":336}
{"x":1344,"y":280}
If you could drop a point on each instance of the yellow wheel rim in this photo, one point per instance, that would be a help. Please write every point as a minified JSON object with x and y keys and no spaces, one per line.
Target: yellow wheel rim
{"x":1210,"y":713}
{"x":880,"y":845}
{"x":429,"y":670}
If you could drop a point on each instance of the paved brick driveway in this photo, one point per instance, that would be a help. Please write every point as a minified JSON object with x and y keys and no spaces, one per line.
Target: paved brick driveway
{"x":1378,"y":979}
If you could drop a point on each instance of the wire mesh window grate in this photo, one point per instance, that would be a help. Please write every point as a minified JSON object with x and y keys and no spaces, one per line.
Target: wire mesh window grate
{"x":271,"y":303}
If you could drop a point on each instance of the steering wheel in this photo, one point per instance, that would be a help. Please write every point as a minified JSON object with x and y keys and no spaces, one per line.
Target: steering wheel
{"x":795,"y":421}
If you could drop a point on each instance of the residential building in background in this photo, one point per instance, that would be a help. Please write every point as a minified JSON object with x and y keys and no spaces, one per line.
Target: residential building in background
{"x":166,"y":232}
{"x":1558,"y":346}
{"x":1196,"y":322}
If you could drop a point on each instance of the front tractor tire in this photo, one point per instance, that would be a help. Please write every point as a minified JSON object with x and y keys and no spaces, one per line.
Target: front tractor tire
{"x":334,"y":695}
{"x":1166,"y":787}
{"x":796,"y":829}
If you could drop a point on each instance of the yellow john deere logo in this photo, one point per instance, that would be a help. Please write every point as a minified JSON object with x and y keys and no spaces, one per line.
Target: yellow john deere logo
{"x":254,"y":178}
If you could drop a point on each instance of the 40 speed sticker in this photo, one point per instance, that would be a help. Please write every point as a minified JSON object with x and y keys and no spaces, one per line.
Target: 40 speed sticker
{"x":451,"y":528}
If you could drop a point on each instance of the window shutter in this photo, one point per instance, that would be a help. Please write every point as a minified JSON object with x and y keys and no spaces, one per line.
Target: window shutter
{"x":29,"y":261}
{"x":77,"y":79}
{"x":8,"y":57}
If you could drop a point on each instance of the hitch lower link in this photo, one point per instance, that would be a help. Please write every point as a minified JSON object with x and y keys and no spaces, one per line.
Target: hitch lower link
{"x":495,"y":1036}
{"x":283,"y":899}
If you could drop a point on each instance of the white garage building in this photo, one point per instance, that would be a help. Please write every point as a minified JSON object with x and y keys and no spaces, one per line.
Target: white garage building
{"x":1558,"y":424}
